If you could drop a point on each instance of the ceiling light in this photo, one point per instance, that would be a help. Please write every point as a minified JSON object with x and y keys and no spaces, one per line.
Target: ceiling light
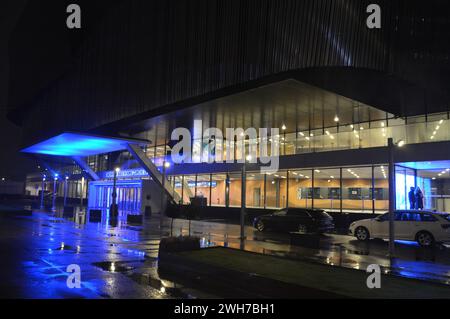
{"x":336,"y":118}
{"x":283,"y":127}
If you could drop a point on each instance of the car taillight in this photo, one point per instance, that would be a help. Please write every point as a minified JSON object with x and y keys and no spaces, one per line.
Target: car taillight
{"x":445,"y":226}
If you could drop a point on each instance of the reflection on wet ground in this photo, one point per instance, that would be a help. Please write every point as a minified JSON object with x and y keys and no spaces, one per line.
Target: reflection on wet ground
{"x":118,"y":260}
{"x":337,"y":250}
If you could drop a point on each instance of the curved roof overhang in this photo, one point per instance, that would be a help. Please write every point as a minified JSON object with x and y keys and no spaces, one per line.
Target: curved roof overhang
{"x":73,"y":144}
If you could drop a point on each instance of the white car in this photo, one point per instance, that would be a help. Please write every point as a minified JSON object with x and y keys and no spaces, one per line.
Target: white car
{"x":425,"y":227}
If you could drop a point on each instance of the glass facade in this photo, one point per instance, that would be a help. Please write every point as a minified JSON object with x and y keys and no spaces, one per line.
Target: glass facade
{"x":348,"y":189}
{"x":373,"y":132}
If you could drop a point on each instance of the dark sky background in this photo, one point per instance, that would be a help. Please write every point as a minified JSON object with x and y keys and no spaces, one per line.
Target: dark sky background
{"x":36,"y":48}
{"x":12,"y":164}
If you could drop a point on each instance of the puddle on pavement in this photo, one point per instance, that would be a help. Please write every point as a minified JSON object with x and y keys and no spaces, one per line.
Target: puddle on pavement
{"x":113,"y":266}
{"x":164,"y":286}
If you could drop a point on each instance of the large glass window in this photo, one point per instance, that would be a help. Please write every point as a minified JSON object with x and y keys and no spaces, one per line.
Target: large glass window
{"x":327,"y":192}
{"x":381,"y":190}
{"x":203,"y":188}
{"x":218,"y":190}
{"x":189,"y":187}
{"x":235,"y":189}
{"x":404,"y":183}
{"x":255,"y":190}
{"x":300,"y":183}
{"x":356,"y":189}
{"x":276,"y":190}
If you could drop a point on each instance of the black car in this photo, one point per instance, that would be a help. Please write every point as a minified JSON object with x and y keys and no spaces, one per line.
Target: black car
{"x":295,"y":219}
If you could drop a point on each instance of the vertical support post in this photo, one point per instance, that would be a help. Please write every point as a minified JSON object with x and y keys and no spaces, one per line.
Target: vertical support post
{"x":227,"y":190}
{"x":243,"y":202}
{"x":65,"y":191}
{"x":210,"y":189}
{"x":341,"y":184}
{"x":42,"y":192}
{"x":312,"y":189}
{"x":373,"y":189}
{"x":265,"y":190}
{"x":54,"y":194}
{"x":182,"y":189}
{"x":114,"y":211}
{"x":287,"y":189}
{"x":163,"y":193}
{"x":391,"y":197}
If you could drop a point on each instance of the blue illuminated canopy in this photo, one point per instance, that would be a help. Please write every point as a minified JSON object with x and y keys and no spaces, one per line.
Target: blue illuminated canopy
{"x":80,"y":144}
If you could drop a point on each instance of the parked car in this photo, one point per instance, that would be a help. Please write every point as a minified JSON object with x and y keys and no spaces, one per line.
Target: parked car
{"x":425,"y":227}
{"x":295,"y":219}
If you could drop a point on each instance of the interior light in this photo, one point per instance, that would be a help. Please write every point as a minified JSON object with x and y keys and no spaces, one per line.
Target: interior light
{"x":283,"y":127}
{"x":401,"y":143}
{"x":336,"y":118}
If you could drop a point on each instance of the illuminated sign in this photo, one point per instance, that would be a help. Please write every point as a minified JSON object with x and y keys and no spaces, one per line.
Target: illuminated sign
{"x":126,"y":173}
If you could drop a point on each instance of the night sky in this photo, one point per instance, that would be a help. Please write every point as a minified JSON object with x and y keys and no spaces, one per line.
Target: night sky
{"x":36,"y":48}
{"x":12,"y":164}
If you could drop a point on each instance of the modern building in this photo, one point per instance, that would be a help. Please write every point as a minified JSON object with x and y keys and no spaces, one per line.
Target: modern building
{"x":335,"y":89}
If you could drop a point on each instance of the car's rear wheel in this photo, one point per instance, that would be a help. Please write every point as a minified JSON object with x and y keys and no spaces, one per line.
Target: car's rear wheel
{"x":362,"y":233}
{"x":302,"y":229}
{"x":424,"y":239}
{"x":260,"y":226}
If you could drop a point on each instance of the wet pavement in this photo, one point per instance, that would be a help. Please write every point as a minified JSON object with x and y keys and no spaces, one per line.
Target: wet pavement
{"x":118,"y":260}
{"x":411,"y":260}
{"x":115,"y":260}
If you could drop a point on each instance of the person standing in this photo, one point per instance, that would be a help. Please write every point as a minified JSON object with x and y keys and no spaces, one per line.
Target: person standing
{"x":419,"y":198}
{"x":412,"y":198}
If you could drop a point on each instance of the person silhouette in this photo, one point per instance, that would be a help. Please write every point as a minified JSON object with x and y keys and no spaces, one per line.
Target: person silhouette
{"x":412,"y":198}
{"x":419,"y":198}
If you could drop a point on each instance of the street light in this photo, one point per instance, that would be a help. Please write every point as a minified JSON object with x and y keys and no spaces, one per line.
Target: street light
{"x":243,"y":200}
{"x":44,"y":178}
{"x":65,"y":190}
{"x":113,"y":208}
{"x":392,"y":198}
{"x":166,"y":165}
{"x":54,"y":192}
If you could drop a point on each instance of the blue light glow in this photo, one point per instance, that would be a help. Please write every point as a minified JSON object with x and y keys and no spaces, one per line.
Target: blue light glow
{"x":78,"y":144}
